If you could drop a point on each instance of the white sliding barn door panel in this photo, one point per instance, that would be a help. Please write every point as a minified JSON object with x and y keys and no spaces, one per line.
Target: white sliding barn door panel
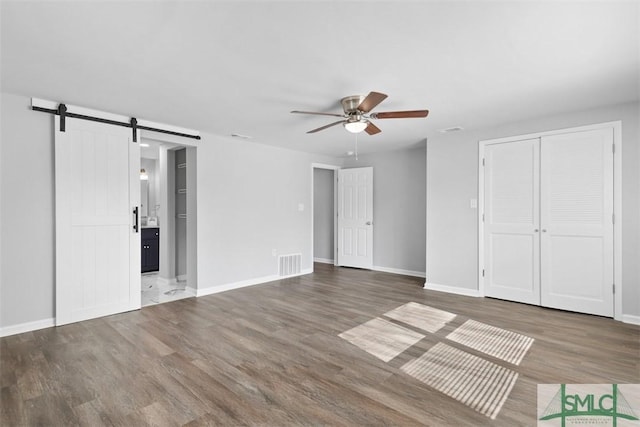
{"x":577,"y":221}
{"x":511,"y":232}
{"x":97,"y":250}
{"x":355,"y":217}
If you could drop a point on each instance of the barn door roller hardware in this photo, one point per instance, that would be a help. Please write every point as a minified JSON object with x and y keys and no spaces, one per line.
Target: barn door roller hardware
{"x":63,"y":111}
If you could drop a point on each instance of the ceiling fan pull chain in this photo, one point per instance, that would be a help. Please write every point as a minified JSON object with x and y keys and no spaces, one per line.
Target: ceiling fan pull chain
{"x":356,"y":147}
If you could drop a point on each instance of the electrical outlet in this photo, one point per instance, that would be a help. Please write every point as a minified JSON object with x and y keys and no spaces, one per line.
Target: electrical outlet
{"x":473,"y":203}
{"x":274,"y":252}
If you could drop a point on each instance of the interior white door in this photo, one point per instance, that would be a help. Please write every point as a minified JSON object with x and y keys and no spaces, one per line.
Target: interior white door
{"x":511,"y":232}
{"x":355,"y":217}
{"x":577,"y":221}
{"x":97,"y":249}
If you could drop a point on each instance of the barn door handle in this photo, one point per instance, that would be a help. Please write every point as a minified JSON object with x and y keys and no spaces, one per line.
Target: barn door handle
{"x":135,"y":224}
{"x":368,"y":222}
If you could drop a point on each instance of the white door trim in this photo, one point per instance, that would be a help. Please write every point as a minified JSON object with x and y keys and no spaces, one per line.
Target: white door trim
{"x":334,"y":168}
{"x":617,"y":200}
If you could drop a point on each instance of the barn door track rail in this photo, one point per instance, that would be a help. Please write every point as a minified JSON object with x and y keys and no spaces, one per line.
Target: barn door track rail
{"x":64,"y":111}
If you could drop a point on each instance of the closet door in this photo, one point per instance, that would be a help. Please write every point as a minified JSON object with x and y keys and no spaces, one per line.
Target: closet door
{"x":577,"y":221}
{"x":511,"y":232}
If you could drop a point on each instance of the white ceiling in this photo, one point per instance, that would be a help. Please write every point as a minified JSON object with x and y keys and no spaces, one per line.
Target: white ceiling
{"x":241,"y":66}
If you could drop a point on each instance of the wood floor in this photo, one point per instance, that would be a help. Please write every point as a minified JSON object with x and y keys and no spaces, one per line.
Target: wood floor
{"x":271,"y":355}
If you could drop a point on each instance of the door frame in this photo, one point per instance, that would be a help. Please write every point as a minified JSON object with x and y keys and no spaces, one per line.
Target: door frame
{"x":166,"y":241}
{"x":335,"y":169}
{"x":617,"y":201}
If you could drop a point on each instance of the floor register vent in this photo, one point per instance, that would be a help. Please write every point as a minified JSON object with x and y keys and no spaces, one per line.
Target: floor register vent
{"x":289,"y":264}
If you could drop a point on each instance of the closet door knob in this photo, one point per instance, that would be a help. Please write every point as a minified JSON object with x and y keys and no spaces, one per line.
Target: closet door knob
{"x":544,"y":231}
{"x":535,"y":230}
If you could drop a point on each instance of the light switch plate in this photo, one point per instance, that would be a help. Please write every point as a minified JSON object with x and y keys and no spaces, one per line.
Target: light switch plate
{"x":301,"y":207}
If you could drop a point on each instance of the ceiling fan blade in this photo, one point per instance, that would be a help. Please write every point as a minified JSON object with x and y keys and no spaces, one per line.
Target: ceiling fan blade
{"x":400,"y":114}
{"x":317,"y":114}
{"x":370,"y":102}
{"x":372,"y":129}
{"x":326,"y":126}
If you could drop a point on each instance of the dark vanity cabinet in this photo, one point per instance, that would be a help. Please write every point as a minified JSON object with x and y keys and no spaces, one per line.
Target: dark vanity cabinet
{"x":150,"y":249}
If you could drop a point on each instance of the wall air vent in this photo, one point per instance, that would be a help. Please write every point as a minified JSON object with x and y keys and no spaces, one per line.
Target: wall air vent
{"x":289,"y":265}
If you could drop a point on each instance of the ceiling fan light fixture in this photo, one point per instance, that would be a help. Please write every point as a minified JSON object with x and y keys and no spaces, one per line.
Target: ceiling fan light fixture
{"x":355,"y":127}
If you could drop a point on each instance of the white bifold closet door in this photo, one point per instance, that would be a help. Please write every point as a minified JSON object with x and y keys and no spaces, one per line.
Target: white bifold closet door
{"x":512,"y":215}
{"x":355,"y":217}
{"x":577,"y":221}
{"x":97,"y":249}
{"x":548,"y":230}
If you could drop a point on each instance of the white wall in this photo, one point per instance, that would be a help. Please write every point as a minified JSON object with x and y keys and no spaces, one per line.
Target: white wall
{"x":452,"y":179}
{"x":27,"y":227}
{"x":247,"y":204}
{"x":398,"y":208}
{"x":323,"y":214}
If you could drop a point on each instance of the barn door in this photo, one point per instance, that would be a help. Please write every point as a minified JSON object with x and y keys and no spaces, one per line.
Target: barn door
{"x":97,"y":246}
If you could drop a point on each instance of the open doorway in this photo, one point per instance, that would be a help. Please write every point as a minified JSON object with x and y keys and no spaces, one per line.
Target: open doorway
{"x":324,"y":213}
{"x":168,"y":206}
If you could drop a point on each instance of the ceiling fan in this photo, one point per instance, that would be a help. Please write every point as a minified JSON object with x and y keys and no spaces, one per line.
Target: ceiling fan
{"x":357,"y":114}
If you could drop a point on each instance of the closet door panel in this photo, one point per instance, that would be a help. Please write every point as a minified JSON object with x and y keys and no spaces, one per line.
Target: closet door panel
{"x":511,"y":221}
{"x":577,"y":221}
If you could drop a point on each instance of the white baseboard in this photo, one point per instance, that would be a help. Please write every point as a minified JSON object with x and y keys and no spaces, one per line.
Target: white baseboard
{"x":26,"y":327}
{"x":323,"y":260}
{"x":629,"y":318}
{"x":452,"y":290}
{"x":399,"y":271}
{"x":244,"y":283}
